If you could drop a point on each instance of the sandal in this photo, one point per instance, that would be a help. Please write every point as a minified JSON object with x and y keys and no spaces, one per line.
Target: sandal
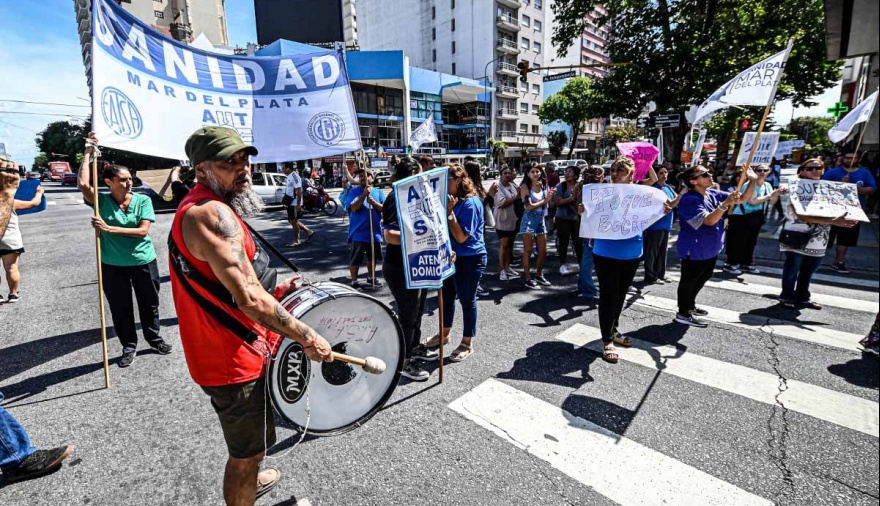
{"x":621,"y":339}
{"x":462,"y":352}
{"x":609,"y":353}
{"x":788,"y":305}
{"x":434,"y":342}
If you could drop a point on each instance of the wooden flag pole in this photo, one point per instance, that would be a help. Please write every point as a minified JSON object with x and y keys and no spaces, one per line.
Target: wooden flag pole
{"x":100,"y":273}
{"x":442,"y":337}
{"x":372,"y":244}
{"x":745,"y":169}
{"x":858,"y":145}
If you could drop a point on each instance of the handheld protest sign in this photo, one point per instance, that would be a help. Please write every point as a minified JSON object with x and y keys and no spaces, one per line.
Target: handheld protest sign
{"x":825,"y":199}
{"x":620,"y":211}
{"x":643,"y":154}
{"x":27,"y":190}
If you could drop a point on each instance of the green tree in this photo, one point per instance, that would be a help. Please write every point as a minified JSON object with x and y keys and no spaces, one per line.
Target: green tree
{"x":573,"y":105}
{"x":41,"y":162}
{"x":680,"y":51}
{"x":625,"y":133}
{"x":813,"y":130}
{"x":497,"y":148}
{"x":557,"y":140}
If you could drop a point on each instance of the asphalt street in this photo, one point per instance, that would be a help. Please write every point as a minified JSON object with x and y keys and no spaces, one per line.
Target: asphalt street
{"x":766,"y":406}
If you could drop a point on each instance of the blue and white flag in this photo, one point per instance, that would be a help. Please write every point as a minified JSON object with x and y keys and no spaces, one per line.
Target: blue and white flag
{"x":860,"y":114}
{"x":424,"y":134}
{"x":424,"y":232}
{"x":150,"y":93}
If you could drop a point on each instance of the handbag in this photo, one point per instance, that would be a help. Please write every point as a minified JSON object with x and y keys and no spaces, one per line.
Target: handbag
{"x":794,"y":238}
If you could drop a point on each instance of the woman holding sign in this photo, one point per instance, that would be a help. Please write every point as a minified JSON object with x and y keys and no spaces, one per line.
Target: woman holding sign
{"x":537,"y":198}
{"x":803,"y":240}
{"x":701,"y":213}
{"x":11,"y":245}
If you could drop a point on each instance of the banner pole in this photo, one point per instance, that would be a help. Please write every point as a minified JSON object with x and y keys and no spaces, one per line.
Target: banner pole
{"x":442,"y":337}
{"x":100,"y":274}
{"x":858,"y":145}
{"x":744,"y":174}
{"x":372,"y":247}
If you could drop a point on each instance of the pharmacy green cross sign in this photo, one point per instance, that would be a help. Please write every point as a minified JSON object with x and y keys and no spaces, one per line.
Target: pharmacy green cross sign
{"x":838,"y":110}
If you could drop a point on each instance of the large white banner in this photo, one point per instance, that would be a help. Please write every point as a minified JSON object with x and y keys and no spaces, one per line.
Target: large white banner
{"x":765,"y":151}
{"x":424,"y":232}
{"x":620,"y":211}
{"x":860,"y":114}
{"x":150,"y":93}
{"x":754,"y":86}
{"x":825,"y":199}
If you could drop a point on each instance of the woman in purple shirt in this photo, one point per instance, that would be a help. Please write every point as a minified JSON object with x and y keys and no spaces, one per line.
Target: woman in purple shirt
{"x":701,"y":212}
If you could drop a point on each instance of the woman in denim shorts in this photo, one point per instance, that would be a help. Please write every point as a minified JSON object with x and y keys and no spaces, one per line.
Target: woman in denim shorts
{"x":536,"y":197}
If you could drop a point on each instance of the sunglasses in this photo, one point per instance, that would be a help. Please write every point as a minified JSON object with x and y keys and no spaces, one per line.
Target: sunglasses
{"x":704,"y":174}
{"x":761,"y":171}
{"x":812,"y":168}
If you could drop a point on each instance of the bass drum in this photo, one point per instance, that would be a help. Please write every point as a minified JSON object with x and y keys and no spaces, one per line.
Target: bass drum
{"x":341,"y":396}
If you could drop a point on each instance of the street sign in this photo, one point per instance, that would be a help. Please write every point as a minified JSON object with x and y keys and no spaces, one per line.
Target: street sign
{"x":644,"y":122}
{"x":557,"y":77}
{"x":667,"y":120}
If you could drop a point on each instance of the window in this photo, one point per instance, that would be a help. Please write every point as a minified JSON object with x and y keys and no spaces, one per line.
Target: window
{"x":258,"y":179}
{"x":534,"y":129}
{"x":538,"y":25}
{"x":453,"y":4}
{"x":159,"y":14}
{"x":537,"y":47}
{"x":434,"y":55}
{"x":539,"y":4}
{"x":525,"y":43}
{"x":433,"y":13}
{"x":524,"y":107}
{"x":585,"y":43}
{"x":453,"y":49}
{"x":433,"y":34}
{"x":535,"y":109}
{"x":524,"y":129}
{"x":536,"y":89}
{"x":526,"y":21}
{"x":524,"y":86}
{"x":536,"y":66}
{"x":453,"y":69}
{"x":453,"y":24}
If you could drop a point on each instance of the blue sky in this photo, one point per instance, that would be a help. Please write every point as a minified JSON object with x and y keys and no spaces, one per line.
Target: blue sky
{"x":41,"y":59}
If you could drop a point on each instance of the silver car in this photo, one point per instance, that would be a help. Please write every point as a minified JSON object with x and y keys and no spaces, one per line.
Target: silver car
{"x":269,"y":186}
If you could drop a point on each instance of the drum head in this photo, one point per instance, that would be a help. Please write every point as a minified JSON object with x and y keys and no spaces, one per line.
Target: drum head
{"x":341,"y":396}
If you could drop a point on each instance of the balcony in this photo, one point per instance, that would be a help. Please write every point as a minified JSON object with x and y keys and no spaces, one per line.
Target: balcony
{"x":507,"y":113}
{"x":508,"y":23}
{"x":507,"y":46}
{"x":507,"y":91}
{"x":507,"y":69}
{"x":513,"y":4}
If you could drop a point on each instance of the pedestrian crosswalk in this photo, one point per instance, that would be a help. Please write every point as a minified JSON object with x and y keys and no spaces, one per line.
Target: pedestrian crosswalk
{"x":594,"y":455}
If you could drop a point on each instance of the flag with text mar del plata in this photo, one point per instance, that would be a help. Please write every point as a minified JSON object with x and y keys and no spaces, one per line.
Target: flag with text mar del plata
{"x":755,"y":86}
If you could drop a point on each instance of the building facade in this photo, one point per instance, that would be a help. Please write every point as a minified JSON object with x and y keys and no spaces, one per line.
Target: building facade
{"x":479,"y":39}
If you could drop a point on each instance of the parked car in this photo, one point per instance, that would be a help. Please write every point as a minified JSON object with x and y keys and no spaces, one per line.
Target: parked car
{"x":269,"y":186}
{"x":33,"y":175}
{"x":57,"y":170}
{"x":381,"y":177}
{"x":489,"y":172}
{"x":68,"y":178}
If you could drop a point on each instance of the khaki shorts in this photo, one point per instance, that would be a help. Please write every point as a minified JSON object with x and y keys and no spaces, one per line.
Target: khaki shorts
{"x":245,"y":413}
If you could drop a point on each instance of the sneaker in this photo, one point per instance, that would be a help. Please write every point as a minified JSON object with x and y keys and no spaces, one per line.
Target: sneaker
{"x":482,"y":292}
{"x":651,"y":281}
{"x":371,"y":282}
{"x":512,"y":273}
{"x":420,"y":352}
{"x":356,"y":284}
{"x":691,"y":320}
{"x":666,"y":280}
{"x":543,"y":281}
{"x":267,"y":480}
{"x":751,"y":269}
{"x":13,"y":298}
{"x":127,"y":358}
{"x":532,"y":284}
{"x":37,"y":464}
{"x":503,"y":276}
{"x":162,"y":348}
{"x":698,"y":311}
{"x":733,"y":269}
{"x":413,"y":371}
{"x":564,"y":270}
{"x":839,"y":267}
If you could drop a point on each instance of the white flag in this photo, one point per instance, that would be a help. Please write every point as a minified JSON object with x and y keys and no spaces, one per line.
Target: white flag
{"x":698,"y":148}
{"x":661,"y":156}
{"x":425,"y":133}
{"x":860,"y":114}
{"x":754,"y":86}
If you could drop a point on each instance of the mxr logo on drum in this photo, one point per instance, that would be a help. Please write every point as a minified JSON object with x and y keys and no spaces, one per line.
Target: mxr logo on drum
{"x":294,"y":373}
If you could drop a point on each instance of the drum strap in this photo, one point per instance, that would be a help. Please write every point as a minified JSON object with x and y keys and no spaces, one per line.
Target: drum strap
{"x":185,"y":274}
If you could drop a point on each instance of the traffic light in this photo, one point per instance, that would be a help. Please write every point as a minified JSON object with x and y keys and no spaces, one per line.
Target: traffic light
{"x":524,"y":70}
{"x":745,"y":124}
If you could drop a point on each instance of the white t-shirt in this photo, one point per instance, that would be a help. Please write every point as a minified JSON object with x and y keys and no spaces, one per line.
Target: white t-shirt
{"x":293,"y":182}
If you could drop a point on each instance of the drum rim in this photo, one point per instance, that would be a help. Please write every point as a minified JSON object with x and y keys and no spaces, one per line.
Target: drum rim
{"x":382,"y":401}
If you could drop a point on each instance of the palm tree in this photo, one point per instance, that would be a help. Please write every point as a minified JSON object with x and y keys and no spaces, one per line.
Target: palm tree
{"x":497,"y":148}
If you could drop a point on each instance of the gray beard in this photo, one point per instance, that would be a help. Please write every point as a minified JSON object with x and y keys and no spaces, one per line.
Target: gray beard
{"x":246,"y":202}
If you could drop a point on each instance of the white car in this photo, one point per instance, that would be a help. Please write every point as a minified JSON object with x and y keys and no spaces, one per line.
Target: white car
{"x":269,"y":186}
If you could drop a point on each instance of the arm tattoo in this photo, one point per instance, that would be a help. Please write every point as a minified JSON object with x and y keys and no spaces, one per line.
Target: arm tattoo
{"x":282,"y":315}
{"x":225,"y":227}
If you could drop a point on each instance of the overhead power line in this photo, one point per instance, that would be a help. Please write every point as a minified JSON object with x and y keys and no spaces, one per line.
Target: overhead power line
{"x":43,"y":103}
{"x":47,"y":114}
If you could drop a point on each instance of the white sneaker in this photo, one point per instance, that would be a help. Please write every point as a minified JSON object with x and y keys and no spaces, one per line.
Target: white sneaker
{"x":564,"y":270}
{"x":503,"y":276}
{"x":512,"y":273}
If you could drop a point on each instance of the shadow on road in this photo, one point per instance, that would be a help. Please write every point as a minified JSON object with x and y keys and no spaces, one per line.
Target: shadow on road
{"x":863,"y":372}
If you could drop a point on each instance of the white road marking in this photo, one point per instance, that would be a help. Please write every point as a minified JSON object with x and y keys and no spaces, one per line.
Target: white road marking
{"x":838,"y":408}
{"x":592,"y":454}
{"x":816,"y":334}
{"x":867,"y":306}
{"x":51,"y":203}
{"x":827,"y":278}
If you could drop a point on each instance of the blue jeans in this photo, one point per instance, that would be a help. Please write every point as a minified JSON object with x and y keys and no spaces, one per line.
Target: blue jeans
{"x":585,"y":283}
{"x":463,"y":284}
{"x":797,"y":272}
{"x":15,"y":446}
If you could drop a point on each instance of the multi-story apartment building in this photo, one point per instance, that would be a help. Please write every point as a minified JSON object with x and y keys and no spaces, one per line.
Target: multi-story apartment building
{"x":479,"y":39}
{"x":182,"y":20}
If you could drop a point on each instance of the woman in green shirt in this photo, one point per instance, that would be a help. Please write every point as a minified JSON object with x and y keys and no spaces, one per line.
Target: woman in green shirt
{"x":128,"y":258}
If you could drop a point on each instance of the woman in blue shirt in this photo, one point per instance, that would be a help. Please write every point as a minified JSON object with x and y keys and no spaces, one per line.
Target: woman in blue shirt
{"x":746,"y":222}
{"x":701,"y":214}
{"x":616,"y":263}
{"x":466,"y":224}
{"x":657,"y":235}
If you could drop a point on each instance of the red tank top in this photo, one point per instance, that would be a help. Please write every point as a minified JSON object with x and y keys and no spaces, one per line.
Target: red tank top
{"x":214,"y":354}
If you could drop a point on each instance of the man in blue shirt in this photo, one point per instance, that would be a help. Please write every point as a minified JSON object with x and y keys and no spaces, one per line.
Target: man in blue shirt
{"x":846,"y":238}
{"x":365,"y":205}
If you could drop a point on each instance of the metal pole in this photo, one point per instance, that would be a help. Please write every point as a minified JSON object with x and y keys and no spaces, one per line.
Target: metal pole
{"x":442,"y":337}
{"x":100,"y":274}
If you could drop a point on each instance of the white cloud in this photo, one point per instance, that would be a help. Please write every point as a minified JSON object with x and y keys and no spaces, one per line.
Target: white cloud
{"x":43,"y":68}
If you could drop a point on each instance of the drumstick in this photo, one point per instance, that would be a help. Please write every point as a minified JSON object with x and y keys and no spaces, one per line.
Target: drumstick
{"x":371,"y":365}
